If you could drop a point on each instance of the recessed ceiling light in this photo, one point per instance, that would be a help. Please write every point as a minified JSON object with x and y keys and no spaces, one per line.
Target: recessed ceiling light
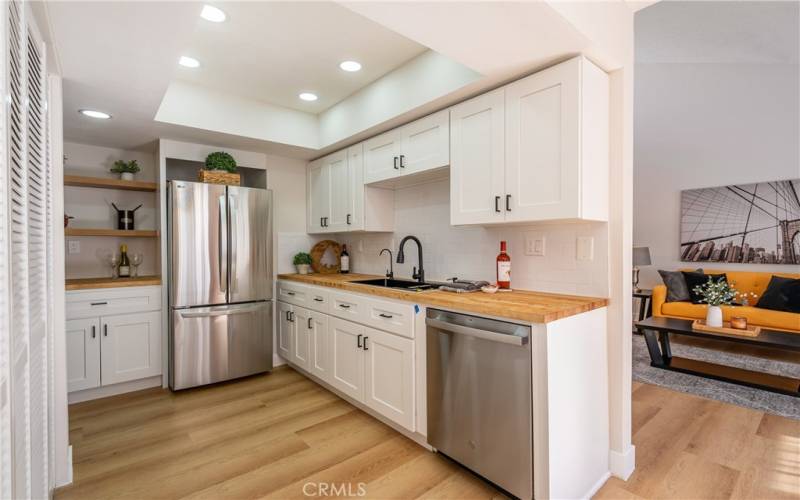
{"x":189,"y":62}
{"x":213,"y":14}
{"x":350,"y":66}
{"x":308,"y":96}
{"x":94,"y":114}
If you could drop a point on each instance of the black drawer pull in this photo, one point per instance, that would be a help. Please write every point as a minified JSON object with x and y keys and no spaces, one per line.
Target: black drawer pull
{"x":99,"y":303}
{"x":317,"y":299}
{"x":387,"y":316}
{"x":290,"y":293}
{"x":93,"y":331}
{"x":365,"y":344}
{"x":358,"y":341}
{"x":344,"y":306}
{"x":105,"y":330}
{"x":309,"y":323}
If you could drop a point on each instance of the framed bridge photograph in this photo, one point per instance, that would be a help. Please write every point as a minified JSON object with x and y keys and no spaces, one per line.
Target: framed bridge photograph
{"x":748,"y":223}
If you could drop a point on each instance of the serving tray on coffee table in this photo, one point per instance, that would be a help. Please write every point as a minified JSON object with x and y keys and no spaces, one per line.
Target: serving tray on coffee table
{"x":726,"y":329}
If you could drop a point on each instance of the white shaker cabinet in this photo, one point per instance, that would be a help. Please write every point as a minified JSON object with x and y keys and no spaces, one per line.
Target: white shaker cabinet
{"x":389,"y":376}
{"x":83,"y":353}
{"x":301,"y":336}
{"x":130,"y":347}
{"x":382,"y":156}
{"x":319,"y":363}
{"x":554,"y":162}
{"x":347,"y":357}
{"x":341,"y":192}
{"x":285,"y":330}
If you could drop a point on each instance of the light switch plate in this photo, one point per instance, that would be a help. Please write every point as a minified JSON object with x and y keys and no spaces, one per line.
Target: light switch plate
{"x":74,"y":246}
{"x":585,"y":250}
{"x":534,"y":244}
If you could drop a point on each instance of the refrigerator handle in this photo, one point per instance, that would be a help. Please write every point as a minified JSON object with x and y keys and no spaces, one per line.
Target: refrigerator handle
{"x":222,"y":244}
{"x":232,"y":210}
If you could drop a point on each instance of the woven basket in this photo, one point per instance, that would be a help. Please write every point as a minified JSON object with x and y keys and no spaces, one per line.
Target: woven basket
{"x":219,"y":177}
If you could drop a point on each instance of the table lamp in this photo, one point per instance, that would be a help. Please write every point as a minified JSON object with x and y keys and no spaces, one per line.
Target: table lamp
{"x":641,"y":257}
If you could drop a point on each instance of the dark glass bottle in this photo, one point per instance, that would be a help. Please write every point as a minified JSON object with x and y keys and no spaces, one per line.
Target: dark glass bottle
{"x":503,"y":268}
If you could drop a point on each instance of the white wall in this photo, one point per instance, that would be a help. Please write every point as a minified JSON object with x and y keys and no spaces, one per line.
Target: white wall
{"x":469,"y":252}
{"x":92,"y":208}
{"x":705,"y":125}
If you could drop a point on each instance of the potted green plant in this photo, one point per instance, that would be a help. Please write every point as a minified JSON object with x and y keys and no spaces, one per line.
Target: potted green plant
{"x":302,"y":261}
{"x":125,"y":169}
{"x":220,"y":168}
{"x":715,"y":293}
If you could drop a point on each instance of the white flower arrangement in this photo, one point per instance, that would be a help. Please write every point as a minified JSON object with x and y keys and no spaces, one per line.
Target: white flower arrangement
{"x":716,"y":293}
{"x":746,"y":297}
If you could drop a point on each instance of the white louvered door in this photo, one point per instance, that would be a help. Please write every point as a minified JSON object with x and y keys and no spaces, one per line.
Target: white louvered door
{"x":25,"y":253}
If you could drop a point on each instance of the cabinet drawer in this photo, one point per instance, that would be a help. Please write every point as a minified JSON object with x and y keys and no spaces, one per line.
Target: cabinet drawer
{"x":391,"y":317}
{"x":349,"y":306}
{"x":293,"y":293}
{"x":89,"y":303}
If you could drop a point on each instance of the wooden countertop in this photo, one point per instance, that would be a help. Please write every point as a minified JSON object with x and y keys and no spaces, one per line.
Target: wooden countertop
{"x":524,"y":305}
{"x":93,"y":283}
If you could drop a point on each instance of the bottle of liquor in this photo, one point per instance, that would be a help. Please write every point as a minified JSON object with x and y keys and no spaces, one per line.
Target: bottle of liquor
{"x":345,"y":260}
{"x":124,"y":264}
{"x":503,"y":268}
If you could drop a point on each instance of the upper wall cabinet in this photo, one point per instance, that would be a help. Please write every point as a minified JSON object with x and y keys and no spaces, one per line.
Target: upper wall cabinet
{"x":534,"y":150}
{"x":421,"y":145}
{"x":338,"y":201}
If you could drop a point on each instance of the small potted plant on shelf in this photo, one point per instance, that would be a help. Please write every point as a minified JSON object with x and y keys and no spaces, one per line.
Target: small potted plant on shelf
{"x":125,"y":169}
{"x":302,"y":261}
{"x":715,"y":293}
{"x":220,"y":168}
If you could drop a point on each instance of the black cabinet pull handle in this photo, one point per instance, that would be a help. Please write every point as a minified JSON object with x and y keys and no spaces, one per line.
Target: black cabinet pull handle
{"x":292,"y":316}
{"x":98,"y":303}
{"x":344,"y":306}
{"x":94,"y":333}
{"x":287,"y":315}
{"x":105,"y":330}
{"x":320,"y":222}
{"x":317,"y":299}
{"x":326,"y":222}
{"x":497,"y":204}
{"x":348,"y":219}
{"x":365,"y":344}
{"x":401,"y":161}
{"x":508,"y":203}
{"x":359,"y":341}
{"x":290,"y":293}
{"x":395,"y":163}
{"x":309,"y":323}
{"x":387,"y":316}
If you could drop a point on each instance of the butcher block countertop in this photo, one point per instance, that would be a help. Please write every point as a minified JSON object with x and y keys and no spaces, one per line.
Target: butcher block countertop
{"x":533,"y":307}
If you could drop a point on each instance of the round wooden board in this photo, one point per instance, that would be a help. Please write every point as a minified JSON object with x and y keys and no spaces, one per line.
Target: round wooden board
{"x":319,"y":250}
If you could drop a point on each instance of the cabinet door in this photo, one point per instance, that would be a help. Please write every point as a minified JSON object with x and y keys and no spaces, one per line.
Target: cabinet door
{"x":390,"y":376}
{"x":382,"y":157}
{"x":425,"y":143}
{"x":130,"y":347}
{"x":83,"y":354}
{"x":285,"y":341}
{"x":320,"y":364}
{"x":347,"y":358}
{"x":542,"y":144}
{"x":340,"y":192}
{"x":477,"y":160}
{"x":355,"y":170}
{"x":319,"y":191}
{"x":301,"y":330}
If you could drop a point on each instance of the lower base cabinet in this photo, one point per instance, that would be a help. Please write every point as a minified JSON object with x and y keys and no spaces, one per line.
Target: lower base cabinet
{"x":371,"y":366}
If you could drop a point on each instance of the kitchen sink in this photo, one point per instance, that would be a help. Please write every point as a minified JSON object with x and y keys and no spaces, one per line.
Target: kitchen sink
{"x":393,"y":283}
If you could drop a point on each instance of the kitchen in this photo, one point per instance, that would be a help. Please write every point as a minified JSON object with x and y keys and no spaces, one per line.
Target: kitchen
{"x":425,"y":200}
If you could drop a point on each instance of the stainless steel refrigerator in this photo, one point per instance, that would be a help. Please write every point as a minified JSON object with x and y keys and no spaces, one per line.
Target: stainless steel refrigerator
{"x":220,"y":282}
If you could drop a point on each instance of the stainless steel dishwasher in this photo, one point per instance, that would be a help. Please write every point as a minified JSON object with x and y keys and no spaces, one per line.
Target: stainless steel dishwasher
{"x":479,"y":396}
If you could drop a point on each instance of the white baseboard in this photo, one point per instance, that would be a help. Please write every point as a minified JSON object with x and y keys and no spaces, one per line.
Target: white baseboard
{"x":596,"y":487}
{"x":278,"y":361}
{"x":622,"y":464}
{"x":113,"y":390}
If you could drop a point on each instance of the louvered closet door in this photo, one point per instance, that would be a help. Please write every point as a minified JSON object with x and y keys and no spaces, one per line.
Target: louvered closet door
{"x":27,"y":192}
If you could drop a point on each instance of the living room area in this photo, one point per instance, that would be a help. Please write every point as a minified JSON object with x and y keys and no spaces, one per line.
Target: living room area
{"x":716,"y":237}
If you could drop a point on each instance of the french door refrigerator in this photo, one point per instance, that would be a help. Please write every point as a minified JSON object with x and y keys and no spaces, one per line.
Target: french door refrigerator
{"x":220,"y":282}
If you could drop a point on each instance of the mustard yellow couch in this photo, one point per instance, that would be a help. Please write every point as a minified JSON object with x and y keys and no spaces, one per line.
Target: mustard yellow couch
{"x":744,"y":282}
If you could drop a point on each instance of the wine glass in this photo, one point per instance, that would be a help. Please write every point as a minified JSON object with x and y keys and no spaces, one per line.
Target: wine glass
{"x":136,"y":260}
{"x":113,"y":260}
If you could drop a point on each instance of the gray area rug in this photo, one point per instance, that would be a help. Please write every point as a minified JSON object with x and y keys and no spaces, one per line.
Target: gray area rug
{"x":769,"y":402}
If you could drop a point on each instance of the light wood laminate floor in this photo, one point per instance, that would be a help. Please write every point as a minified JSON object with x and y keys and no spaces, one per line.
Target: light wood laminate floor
{"x":268,"y":436}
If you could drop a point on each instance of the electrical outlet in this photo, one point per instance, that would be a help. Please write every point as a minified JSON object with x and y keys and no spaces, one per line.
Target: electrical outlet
{"x":74,"y":246}
{"x":534,"y":244}
{"x":585,"y":249}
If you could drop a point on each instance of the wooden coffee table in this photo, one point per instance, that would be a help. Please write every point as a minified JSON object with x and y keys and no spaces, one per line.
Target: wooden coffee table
{"x":657,"y":331}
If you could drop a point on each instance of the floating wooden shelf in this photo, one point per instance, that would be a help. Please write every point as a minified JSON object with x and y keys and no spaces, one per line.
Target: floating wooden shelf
{"x":100,"y":182}
{"x":91,"y":283}
{"x":79,"y":231}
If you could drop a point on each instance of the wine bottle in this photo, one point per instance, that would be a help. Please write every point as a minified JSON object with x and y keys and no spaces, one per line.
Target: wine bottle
{"x":124,"y":264}
{"x":503,"y":268}
{"x":345,"y":260}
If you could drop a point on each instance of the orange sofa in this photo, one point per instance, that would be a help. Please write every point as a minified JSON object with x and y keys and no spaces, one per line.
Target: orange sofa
{"x":742,"y":281}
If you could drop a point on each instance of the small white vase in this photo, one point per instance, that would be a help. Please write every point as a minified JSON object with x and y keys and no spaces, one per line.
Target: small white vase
{"x":714,"y":316}
{"x":126,"y":176}
{"x":302,"y":268}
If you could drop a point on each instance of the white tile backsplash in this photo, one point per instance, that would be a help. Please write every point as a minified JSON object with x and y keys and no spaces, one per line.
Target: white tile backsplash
{"x":469,"y":252}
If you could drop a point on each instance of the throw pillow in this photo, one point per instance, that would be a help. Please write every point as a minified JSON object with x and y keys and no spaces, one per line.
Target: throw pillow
{"x":782,"y":294}
{"x":677,"y":291}
{"x":695,"y":279}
